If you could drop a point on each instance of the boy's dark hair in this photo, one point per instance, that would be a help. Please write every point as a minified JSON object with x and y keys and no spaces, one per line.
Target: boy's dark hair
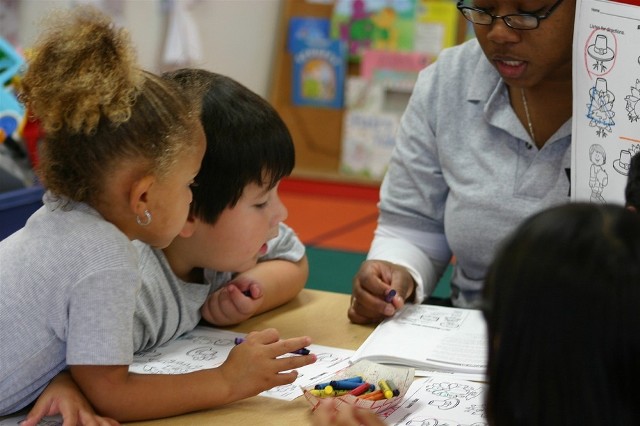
{"x":632,"y":190}
{"x":247,"y":141}
{"x":562,"y":313}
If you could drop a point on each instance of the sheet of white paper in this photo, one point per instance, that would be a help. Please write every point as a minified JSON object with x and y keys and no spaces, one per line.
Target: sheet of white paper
{"x":606,"y":99}
{"x":206,"y":347}
{"x":47,"y":421}
{"x":440,"y":400}
{"x":430,"y":337}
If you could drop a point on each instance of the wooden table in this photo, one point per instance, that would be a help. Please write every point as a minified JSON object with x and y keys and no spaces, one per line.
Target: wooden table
{"x":319,"y":314}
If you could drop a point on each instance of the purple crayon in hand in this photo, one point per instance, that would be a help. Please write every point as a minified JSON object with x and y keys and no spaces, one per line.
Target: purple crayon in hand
{"x":301,"y":351}
{"x":389,"y":297}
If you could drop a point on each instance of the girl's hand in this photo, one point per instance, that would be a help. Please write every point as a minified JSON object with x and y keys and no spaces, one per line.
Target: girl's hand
{"x":62,"y":396}
{"x":258,"y":363}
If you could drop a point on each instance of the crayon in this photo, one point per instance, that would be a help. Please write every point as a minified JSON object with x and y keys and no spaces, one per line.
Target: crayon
{"x":323,"y":394}
{"x":386,"y":390}
{"x":389,"y":296}
{"x":349,"y":379}
{"x":360,"y":389}
{"x":301,"y":351}
{"x":344,"y":384}
{"x":373,"y":396}
{"x":394,"y":388}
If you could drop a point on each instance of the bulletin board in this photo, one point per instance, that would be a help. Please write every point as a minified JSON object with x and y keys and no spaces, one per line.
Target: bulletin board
{"x":316,"y":132}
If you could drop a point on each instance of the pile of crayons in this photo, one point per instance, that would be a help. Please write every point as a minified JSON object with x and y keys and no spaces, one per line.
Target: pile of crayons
{"x":358,"y":387}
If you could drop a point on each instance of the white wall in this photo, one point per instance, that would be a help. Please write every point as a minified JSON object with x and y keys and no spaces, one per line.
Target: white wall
{"x":238,"y":36}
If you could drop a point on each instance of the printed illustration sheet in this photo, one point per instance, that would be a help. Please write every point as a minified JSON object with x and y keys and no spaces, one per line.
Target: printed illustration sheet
{"x":441,"y":400}
{"x":207,"y":347}
{"x":606,"y":91}
{"x":451,"y":339}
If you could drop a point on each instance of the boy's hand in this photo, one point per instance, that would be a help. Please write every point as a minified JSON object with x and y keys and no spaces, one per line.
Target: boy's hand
{"x":62,"y":396}
{"x":255,"y":365}
{"x":237,"y":301}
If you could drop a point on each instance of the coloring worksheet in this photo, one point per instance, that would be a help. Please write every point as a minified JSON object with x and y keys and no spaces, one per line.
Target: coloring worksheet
{"x":206,"y":347}
{"x":440,"y":400}
{"x":606,"y":93}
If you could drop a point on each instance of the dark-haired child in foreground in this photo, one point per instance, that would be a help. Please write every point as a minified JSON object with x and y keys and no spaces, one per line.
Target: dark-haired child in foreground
{"x":632,"y":189}
{"x":234,"y":257}
{"x":561,"y":305}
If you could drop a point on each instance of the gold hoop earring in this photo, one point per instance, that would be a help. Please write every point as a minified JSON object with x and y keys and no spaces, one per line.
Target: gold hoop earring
{"x":147,"y":216}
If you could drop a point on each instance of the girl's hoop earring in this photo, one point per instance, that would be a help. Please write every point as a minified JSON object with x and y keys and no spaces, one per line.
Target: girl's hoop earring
{"x":147,"y":217}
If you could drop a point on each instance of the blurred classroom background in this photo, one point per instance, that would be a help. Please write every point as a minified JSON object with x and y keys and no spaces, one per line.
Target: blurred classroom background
{"x":343,"y":128}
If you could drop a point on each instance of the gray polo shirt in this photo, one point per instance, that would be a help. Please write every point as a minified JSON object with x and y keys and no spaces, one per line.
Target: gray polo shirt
{"x":167,"y":306}
{"x":463,"y":174}
{"x":68,"y":282}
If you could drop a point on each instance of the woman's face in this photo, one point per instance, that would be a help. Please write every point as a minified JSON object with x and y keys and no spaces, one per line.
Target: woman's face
{"x":526,"y":58}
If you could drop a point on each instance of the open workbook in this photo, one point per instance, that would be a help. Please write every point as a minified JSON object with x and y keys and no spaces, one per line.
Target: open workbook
{"x":428,"y":337}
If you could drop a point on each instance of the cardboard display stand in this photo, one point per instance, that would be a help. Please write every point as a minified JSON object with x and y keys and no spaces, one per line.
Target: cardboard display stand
{"x":316,"y":132}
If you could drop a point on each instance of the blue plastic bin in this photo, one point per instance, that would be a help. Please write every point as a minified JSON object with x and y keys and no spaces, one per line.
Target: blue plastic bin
{"x":16,"y":207}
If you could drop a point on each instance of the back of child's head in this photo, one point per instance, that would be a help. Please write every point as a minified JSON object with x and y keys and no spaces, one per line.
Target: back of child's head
{"x":632,"y":190}
{"x":563,"y":319}
{"x":247,"y":141}
{"x":99,"y":110}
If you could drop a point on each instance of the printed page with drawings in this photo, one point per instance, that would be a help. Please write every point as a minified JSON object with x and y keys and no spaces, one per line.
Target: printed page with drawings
{"x":606,"y":104}
{"x":428,"y":337}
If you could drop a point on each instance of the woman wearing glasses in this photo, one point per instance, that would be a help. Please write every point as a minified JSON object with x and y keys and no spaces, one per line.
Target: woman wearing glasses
{"x":484,"y":143}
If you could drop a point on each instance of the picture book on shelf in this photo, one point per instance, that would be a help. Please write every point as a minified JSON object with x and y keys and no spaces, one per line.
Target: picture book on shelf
{"x":306,"y":28}
{"x":606,"y":94}
{"x":365,"y":24}
{"x":319,"y":69}
{"x":429,"y":337}
{"x":436,"y":26}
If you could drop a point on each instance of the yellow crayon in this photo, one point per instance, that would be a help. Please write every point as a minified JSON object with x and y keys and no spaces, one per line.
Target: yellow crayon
{"x":322,"y":393}
{"x":386,"y":389}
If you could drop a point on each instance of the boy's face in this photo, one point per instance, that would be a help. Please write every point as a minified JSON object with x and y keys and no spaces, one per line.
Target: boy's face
{"x":239,"y":237}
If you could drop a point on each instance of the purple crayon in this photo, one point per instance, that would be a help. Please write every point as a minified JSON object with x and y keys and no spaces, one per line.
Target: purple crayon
{"x":301,"y":351}
{"x":389,"y":297}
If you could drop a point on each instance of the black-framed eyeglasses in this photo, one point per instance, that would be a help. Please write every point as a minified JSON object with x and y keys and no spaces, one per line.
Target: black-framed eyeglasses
{"x":518,"y":21}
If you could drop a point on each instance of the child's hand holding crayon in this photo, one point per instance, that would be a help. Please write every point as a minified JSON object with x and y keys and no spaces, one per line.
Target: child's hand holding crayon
{"x":253,"y":366}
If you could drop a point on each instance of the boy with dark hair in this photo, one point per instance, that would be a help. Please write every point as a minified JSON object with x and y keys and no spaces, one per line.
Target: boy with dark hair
{"x":234,"y":257}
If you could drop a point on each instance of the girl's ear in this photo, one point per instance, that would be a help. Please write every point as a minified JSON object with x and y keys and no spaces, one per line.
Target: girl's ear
{"x":139,"y":194}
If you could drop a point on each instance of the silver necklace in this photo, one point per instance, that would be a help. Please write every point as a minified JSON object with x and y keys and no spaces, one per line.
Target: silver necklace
{"x":526,"y":111}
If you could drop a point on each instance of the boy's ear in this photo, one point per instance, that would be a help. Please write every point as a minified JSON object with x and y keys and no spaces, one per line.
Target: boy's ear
{"x":632,"y":209}
{"x":139,"y":194}
{"x":190,"y":226}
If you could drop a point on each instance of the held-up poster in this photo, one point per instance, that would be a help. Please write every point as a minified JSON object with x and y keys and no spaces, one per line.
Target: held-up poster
{"x":606,"y":95}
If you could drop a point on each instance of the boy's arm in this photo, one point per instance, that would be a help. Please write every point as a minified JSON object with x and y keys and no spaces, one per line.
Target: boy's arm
{"x":62,"y":396}
{"x":267,"y":285}
{"x":251,"y":368}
